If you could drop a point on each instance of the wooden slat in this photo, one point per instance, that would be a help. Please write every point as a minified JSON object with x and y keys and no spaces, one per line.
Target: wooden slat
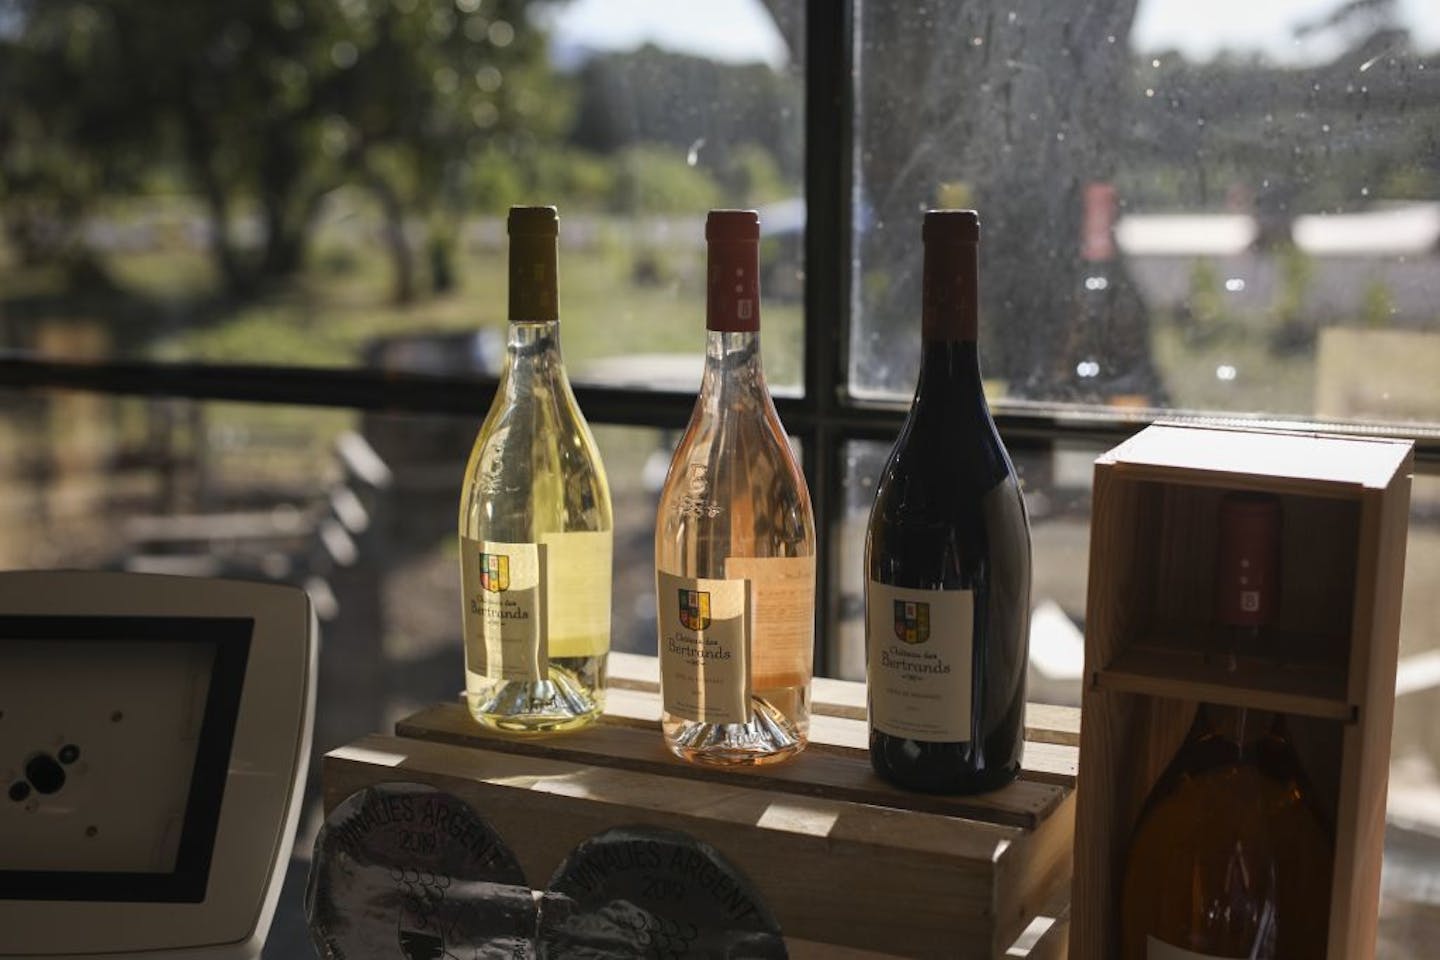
{"x":863,"y":877}
{"x":1052,"y":723}
{"x":835,"y":772}
{"x":1360,"y":831}
{"x":1054,"y":942}
{"x":1044,"y":723}
{"x":1034,"y":873}
{"x":1182,"y":675}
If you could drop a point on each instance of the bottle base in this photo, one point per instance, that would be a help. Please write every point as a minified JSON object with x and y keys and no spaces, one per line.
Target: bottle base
{"x":769,"y":737}
{"x":935,"y":768}
{"x":950,"y":786}
{"x":555,"y":705}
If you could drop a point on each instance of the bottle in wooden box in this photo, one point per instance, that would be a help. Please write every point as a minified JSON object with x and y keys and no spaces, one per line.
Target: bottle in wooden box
{"x":1326,"y":661}
{"x":1231,"y":857}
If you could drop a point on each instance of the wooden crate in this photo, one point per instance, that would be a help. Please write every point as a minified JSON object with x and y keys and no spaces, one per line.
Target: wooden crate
{"x":1149,"y":619}
{"x":850,"y":866}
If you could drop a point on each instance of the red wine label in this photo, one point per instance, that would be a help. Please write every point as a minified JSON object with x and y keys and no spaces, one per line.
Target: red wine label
{"x":1156,"y":949}
{"x":918,"y":663}
{"x":705,"y":628}
{"x":504,"y":600}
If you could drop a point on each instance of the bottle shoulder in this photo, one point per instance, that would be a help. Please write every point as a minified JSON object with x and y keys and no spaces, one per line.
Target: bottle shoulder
{"x":926,"y":489}
{"x":733,"y":489}
{"x":534,"y":468}
{"x":1210,"y":773}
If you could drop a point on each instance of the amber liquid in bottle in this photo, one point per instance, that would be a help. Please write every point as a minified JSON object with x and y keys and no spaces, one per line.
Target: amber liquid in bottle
{"x":1231,"y":857}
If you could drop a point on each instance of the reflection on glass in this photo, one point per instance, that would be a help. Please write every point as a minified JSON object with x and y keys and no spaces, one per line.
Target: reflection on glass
{"x":1232,"y":208}
{"x":326,"y":184}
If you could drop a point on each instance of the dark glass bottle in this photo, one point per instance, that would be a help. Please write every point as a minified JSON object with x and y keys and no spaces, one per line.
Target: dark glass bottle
{"x":947,"y":557}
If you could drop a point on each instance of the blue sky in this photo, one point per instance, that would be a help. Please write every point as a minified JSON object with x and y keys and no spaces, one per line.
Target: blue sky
{"x":741,"y":30}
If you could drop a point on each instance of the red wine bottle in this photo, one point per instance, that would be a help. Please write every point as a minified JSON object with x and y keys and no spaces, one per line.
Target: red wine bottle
{"x":947,"y":555}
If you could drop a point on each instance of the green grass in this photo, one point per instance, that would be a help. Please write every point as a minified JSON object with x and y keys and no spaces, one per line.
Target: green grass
{"x":168,"y":307}
{"x":344,"y":300}
{"x":1266,"y":380}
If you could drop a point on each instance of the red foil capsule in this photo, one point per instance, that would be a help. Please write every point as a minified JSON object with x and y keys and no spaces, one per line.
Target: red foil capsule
{"x":733,"y":277}
{"x":1247,"y":570}
{"x":950,"y":295}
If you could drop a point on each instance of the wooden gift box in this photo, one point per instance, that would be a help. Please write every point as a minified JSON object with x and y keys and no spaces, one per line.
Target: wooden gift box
{"x":851,"y":866}
{"x":1330,"y":669}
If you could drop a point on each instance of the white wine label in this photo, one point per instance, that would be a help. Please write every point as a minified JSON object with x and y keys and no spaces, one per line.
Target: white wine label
{"x":783,"y":651}
{"x":577,"y":593}
{"x":918,"y":661}
{"x":705,"y":629}
{"x":1156,"y":949}
{"x":504,"y":598}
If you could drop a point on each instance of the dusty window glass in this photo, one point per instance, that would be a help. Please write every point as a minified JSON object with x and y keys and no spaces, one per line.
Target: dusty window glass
{"x":1225,"y":206}
{"x":324,"y":182}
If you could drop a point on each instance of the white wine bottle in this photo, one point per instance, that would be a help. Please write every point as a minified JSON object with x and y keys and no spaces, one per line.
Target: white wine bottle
{"x":735,"y":542}
{"x":536,"y":534}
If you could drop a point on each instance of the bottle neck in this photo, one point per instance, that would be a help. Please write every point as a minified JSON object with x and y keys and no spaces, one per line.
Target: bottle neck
{"x":1240,"y":725}
{"x":732,"y":303}
{"x":950,"y":362}
{"x":534,"y":279}
{"x":949,"y":387}
{"x":733,"y":367}
{"x":532,"y":352}
{"x":950,"y":306}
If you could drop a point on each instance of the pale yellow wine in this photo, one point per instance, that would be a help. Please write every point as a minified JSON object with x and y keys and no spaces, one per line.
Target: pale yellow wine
{"x":535,"y":522}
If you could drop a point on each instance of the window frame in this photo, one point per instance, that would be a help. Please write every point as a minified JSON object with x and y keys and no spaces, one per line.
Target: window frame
{"x":823,"y":418}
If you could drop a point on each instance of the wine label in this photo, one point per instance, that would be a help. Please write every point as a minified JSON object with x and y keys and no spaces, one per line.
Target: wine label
{"x":1156,"y":949}
{"x":504,"y":598}
{"x":919,"y":663}
{"x":528,"y":602}
{"x":705,"y":629}
{"x":577,"y":592}
{"x":783,"y":651}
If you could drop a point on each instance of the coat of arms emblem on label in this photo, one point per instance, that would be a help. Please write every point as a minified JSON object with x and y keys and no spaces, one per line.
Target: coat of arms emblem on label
{"x":494,"y":572}
{"x":912,"y":621}
{"x":695,"y":609}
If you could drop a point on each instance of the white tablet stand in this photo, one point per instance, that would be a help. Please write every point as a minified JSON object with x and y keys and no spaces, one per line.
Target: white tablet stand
{"x":154,"y":735}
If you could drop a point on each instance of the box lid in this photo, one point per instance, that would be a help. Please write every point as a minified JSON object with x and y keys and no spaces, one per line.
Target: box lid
{"x":1180,"y":453}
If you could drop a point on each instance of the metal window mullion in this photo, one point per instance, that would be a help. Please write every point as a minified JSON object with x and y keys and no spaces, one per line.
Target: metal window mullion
{"x":829,"y":102}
